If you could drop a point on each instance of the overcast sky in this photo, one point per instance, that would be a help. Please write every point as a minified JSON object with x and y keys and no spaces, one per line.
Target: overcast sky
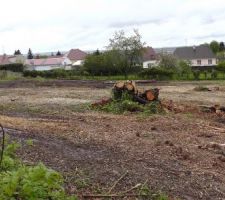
{"x":51,"y":25}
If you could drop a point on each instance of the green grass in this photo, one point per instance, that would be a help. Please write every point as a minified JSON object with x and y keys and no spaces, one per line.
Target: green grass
{"x":10,"y":76}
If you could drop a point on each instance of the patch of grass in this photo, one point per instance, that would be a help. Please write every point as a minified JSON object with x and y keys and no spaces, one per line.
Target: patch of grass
{"x":146,"y":191}
{"x":189,"y":115}
{"x":79,"y":178}
{"x":30,"y":142}
{"x":79,"y":107}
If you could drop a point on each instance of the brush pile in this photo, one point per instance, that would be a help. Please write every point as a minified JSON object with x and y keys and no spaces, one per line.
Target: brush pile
{"x":142,"y":97}
{"x":127,"y":97}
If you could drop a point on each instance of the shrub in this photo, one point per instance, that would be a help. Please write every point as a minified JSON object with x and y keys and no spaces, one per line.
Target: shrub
{"x":18,"y":181}
{"x":15,"y":67}
{"x":156,"y":73}
{"x":214,"y":74}
{"x":56,"y":73}
{"x":221,"y":66}
{"x":196,"y":74}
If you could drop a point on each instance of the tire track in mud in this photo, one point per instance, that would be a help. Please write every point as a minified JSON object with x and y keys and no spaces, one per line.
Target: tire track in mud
{"x":105,"y":164}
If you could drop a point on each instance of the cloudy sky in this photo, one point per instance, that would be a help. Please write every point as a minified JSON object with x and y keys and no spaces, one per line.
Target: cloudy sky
{"x":51,"y":25}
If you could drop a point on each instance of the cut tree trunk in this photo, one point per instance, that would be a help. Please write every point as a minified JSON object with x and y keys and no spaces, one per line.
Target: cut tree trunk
{"x":130,"y":87}
{"x":140,"y":100}
{"x":151,"y":95}
{"x":119,"y":85}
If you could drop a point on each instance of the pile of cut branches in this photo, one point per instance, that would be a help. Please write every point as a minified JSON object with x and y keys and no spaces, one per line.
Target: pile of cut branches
{"x":127,"y":97}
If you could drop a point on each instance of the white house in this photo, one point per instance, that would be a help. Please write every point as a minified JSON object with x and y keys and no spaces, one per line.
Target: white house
{"x":149,"y":58}
{"x":198,"y":56}
{"x":76,"y":56}
{"x":44,"y":64}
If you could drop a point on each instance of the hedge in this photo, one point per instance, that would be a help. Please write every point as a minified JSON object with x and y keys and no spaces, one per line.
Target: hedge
{"x":15,"y":67}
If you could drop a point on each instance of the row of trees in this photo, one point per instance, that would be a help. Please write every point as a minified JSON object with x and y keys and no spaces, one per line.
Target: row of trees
{"x":31,"y":56}
{"x":217,"y":46}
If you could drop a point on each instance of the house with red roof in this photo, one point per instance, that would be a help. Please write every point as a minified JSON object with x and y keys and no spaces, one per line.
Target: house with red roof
{"x":50,"y":63}
{"x":150,"y":58}
{"x":6,"y":59}
{"x":76,"y":56}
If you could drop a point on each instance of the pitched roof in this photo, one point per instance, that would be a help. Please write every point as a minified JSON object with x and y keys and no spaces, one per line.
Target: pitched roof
{"x":195,"y":52}
{"x":149,"y":54}
{"x":4,"y":60}
{"x":45,"y":61}
{"x":76,"y":54}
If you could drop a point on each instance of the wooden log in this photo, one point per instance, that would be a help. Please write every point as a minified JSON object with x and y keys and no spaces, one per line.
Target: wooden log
{"x":151,"y":95}
{"x":140,"y":100}
{"x":119,"y":85}
{"x":205,"y":108}
{"x":129,"y":86}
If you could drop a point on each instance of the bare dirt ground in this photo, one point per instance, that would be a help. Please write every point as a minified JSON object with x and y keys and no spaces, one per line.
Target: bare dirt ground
{"x":93,"y":150}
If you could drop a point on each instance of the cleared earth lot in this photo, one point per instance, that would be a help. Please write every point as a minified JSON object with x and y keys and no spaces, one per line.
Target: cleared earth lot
{"x":94,"y":149}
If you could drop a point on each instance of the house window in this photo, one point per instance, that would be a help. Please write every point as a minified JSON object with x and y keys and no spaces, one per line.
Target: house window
{"x":210,"y":61}
{"x":150,"y":65}
{"x":199,"y":62}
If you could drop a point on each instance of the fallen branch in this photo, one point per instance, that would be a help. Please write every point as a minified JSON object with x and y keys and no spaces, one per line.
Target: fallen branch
{"x":134,"y":187}
{"x":114,"y":185}
{"x":121,"y":194}
{"x":215,"y":128}
{"x":113,"y":195}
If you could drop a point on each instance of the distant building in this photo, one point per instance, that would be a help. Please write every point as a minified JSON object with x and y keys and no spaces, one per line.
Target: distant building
{"x":165,"y":50}
{"x":198,"y":56}
{"x":150,"y":58}
{"x":76,"y":56}
{"x":44,"y":64}
{"x":6,"y":59}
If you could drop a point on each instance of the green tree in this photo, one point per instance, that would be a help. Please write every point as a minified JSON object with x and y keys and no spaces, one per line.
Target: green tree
{"x":17,"y":52}
{"x":222,"y":46}
{"x":221,"y":56}
{"x":168,"y":62}
{"x":197,"y":74}
{"x":30,"y":54}
{"x":97,"y":52}
{"x":184,"y":68}
{"x":129,"y":50}
{"x":215,"y":47}
{"x":221,"y":66}
{"x":106,"y":63}
{"x":58,"y":53}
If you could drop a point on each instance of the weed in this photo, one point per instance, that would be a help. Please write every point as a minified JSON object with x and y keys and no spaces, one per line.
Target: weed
{"x":146,"y":191}
{"x":19,"y":181}
{"x":30,"y":142}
